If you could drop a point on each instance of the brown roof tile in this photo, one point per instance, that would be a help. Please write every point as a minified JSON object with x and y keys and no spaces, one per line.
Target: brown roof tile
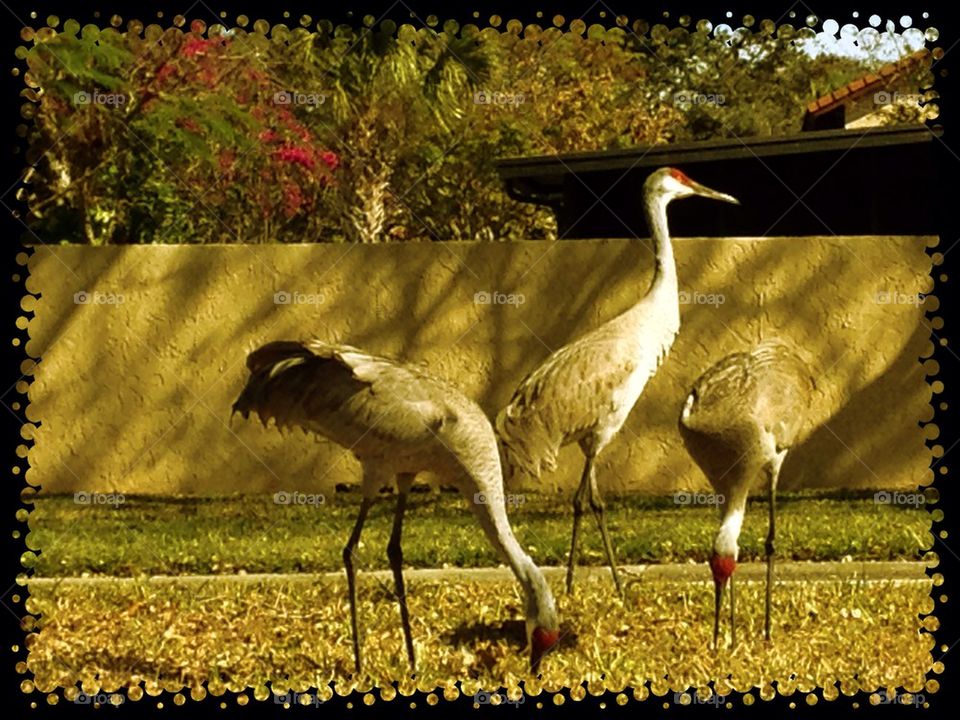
{"x":866,"y":83}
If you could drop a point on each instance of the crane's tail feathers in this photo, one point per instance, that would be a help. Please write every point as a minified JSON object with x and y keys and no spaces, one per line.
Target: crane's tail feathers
{"x":289,"y":381}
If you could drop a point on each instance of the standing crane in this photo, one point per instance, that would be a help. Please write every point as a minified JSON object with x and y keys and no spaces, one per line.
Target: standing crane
{"x":738,"y":422}
{"x":398,"y":421}
{"x":584,"y":391}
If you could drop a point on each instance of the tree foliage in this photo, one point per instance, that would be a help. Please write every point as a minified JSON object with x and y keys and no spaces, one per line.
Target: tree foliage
{"x":371,"y":134}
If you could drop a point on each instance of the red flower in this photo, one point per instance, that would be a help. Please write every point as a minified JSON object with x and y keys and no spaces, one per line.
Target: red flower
{"x":295,"y":155}
{"x":330,"y":159}
{"x":193,"y":46}
{"x":268,"y":136}
{"x":292,"y":200}
{"x":165,"y":71}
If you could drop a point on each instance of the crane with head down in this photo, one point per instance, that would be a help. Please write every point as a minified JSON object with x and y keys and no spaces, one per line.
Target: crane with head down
{"x":398,"y":421}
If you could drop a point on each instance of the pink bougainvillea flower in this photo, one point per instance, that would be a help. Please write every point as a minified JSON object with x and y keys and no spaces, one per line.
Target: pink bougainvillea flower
{"x":330,"y":159}
{"x":292,"y":200}
{"x":165,"y":71}
{"x":295,"y":155}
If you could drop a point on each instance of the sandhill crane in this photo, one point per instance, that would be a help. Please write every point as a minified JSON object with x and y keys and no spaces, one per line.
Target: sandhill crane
{"x":398,"y":421}
{"x":738,"y":422}
{"x":584,"y":391}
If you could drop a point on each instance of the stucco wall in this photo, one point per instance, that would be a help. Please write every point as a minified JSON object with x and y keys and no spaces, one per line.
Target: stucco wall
{"x":134,"y":396}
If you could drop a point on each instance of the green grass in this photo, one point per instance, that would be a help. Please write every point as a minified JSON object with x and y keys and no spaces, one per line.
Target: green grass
{"x":251,"y":533}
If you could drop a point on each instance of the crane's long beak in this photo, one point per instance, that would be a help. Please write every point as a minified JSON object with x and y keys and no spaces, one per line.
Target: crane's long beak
{"x":704,"y":191}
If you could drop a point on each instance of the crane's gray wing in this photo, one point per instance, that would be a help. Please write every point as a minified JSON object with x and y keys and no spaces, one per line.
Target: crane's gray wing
{"x":575,"y":386}
{"x":342,"y":393}
{"x":770,"y":385}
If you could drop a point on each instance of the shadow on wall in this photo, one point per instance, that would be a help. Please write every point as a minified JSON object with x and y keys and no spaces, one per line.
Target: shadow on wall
{"x":134,"y":392}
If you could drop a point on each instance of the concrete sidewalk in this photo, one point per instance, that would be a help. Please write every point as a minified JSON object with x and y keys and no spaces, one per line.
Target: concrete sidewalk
{"x":787,"y":571}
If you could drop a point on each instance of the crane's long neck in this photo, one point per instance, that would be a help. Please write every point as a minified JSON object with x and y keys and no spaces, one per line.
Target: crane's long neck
{"x":492,"y":515}
{"x":726,"y":542}
{"x":665,"y":268}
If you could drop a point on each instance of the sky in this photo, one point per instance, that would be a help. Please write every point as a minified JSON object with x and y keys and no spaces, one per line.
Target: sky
{"x":879,"y":38}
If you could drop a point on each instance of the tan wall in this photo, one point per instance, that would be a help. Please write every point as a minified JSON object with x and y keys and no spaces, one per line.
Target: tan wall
{"x":135,"y":397}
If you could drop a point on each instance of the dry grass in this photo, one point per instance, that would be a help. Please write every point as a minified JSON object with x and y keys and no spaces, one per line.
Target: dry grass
{"x":295,"y":634}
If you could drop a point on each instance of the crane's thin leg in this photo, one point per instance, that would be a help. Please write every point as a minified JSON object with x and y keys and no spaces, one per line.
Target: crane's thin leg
{"x":733,"y":617}
{"x":348,"y":551}
{"x":579,"y":507}
{"x":717,"y":604}
{"x":395,"y":555}
{"x":597,"y":505}
{"x":771,"y":533}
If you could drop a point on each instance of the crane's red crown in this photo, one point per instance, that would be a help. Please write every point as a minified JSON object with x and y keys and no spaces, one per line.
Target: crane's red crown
{"x":722,"y":567}
{"x":679,"y":176}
